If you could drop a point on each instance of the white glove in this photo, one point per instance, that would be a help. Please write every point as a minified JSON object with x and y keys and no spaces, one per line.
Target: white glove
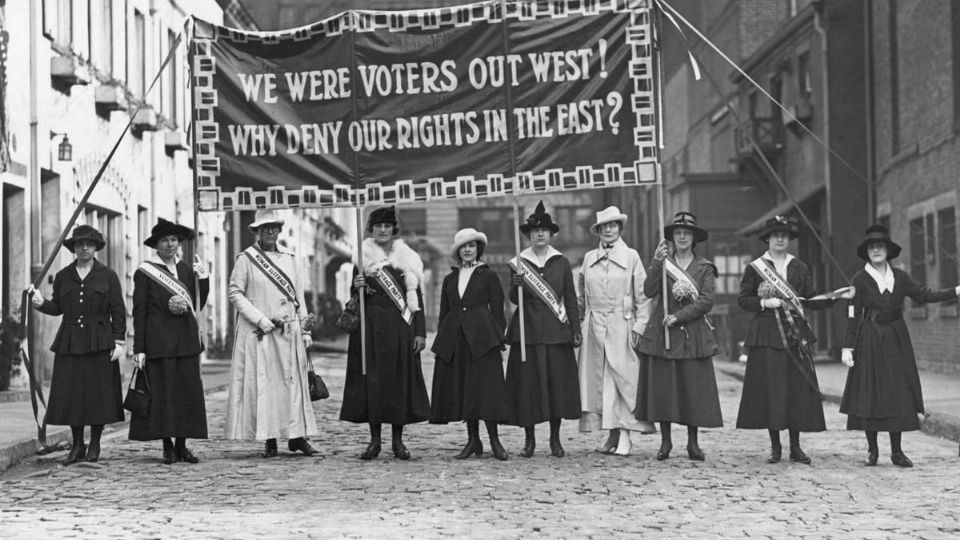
{"x":266,"y":326}
{"x":770,"y":303}
{"x":847,"y":293}
{"x":307,"y":340}
{"x":846,"y":356}
{"x":117,"y":352}
{"x":140,"y":360}
{"x":200,"y":268}
{"x":35,"y":297}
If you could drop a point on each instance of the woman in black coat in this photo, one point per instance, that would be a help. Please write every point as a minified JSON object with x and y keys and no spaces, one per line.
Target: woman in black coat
{"x":468,"y":382}
{"x":167,"y":345}
{"x":883,"y":385}
{"x":85,"y":390}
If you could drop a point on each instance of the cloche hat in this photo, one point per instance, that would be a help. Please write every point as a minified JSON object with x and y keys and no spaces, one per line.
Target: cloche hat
{"x":465,"y":236}
{"x":384,"y":214}
{"x":608,"y":215}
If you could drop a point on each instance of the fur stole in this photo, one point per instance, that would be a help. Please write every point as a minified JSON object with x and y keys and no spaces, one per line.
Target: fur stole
{"x":401,"y":257}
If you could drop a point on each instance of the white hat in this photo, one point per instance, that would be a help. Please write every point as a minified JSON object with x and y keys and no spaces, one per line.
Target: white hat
{"x":465,"y":236}
{"x":262,"y":217}
{"x":607,"y":215}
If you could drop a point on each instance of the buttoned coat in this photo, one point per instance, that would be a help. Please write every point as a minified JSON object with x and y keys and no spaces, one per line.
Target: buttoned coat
{"x":94,"y":315}
{"x":541,"y":325}
{"x":157,"y":332}
{"x":479,"y":313}
{"x":269,"y":395}
{"x":611,"y":300}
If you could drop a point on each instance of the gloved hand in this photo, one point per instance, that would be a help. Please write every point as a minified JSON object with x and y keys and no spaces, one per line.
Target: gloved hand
{"x":266,"y":326}
{"x":307,"y":341}
{"x":846,"y":356}
{"x":140,"y":360}
{"x":771,"y":303}
{"x":199,"y":268}
{"x":117,"y":351}
{"x":35,"y":297}
{"x":577,"y":340}
{"x":516,"y":280}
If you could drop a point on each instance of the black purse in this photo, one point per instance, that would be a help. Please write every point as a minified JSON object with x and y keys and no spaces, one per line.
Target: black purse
{"x":349,"y":320}
{"x":318,"y":389}
{"x":138,"y":399}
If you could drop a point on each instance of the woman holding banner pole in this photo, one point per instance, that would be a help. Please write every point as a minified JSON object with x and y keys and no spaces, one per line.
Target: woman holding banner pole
{"x":678,"y":384}
{"x":546,"y":386}
{"x":393,"y":390}
{"x":167,"y":345}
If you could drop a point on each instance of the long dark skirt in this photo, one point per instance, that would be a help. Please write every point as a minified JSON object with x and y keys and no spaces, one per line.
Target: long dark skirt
{"x":177,"y":407}
{"x":85,"y":391}
{"x":681,"y":391}
{"x":776,"y":395}
{"x":468,"y":388}
{"x":546,"y":386}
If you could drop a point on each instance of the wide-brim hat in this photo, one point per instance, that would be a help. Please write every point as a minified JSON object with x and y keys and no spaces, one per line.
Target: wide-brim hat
{"x":88,"y":233}
{"x":685,"y":220}
{"x":465,"y":236}
{"x":384,"y":214}
{"x":779,"y":224}
{"x":876,"y":234}
{"x":539,"y":219}
{"x":263,"y":217}
{"x":167,"y":228}
{"x":608,"y":215}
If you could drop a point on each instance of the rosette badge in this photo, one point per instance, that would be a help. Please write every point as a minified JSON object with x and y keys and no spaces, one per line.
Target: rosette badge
{"x":178,"y":305}
{"x":683,"y":291}
{"x":767,"y":290}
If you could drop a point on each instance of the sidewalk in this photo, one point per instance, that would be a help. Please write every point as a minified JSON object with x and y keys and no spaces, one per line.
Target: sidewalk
{"x":18,"y":432}
{"x":941,"y":394}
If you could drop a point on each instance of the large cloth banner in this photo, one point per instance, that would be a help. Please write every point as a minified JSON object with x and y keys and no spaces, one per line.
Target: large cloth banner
{"x":390,"y":107}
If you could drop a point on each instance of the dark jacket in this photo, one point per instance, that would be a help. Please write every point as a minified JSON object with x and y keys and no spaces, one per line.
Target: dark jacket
{"x":479,"y":313}
{"x":692,"y":336}
{"x":763,"y":330}
{"x":94,"y":315}
{"x":156,"y":331}
{"x":542,"y":326}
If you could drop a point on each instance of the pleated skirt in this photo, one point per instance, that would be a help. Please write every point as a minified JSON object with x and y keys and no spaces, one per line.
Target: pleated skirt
{"x":776,"y":395}
{"x":468,"y":388}
{"x":546,"y":386}
{"x":177,"y":407}
{"x":680,"y":391}
{"x":85,"y":391}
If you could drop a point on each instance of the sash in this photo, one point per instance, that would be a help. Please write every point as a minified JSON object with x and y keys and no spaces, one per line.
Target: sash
{"x":679,"y":274}
{"x":543,"y":290}
{"x":276,"y":276}
{"x":173,"y":285}
{"x":770,"y":275}
{"x":389,"y":284}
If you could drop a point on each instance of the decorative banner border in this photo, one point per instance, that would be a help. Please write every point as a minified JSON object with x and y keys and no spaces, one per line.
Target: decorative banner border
{"x":644,"y":170}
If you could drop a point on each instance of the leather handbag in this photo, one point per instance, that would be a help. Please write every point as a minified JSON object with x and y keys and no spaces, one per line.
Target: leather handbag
{"x":138,"y":399}
{"x":318,"y":389}
{"x":349,"y":320}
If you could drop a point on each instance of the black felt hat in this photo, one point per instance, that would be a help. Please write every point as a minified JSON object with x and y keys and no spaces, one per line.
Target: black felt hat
{"x":85,"y":232}
{"x":877,"y":234}
{"x":384,"y":214}
{"x":685,"y":220}
{"x":539,"y":219}
{"x":779,"y":224}
{"x":167,"y":228}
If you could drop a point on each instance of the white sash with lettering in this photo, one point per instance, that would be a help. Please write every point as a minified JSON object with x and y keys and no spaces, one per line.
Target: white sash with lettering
{"x":388,"y":284}
{"x":680,"y":275}
{"x":783,"y":288}
{"x":542,"y":289}
{"x":273,"y":273}
{"x":168,"y":282}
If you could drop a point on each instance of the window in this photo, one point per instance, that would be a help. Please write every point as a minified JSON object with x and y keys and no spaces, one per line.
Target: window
{"x":101,"y":35}
{"x":108,"y":223}
{"x":918,"y":254}
{"x":730,"y":269}
{"x":804,"y":83}
{"x":947,"y":247}
{"x":136,"y":59}
{"x":171,"y":71}
{"x":143,"y":231}
{"x":894,"y":77}
{"x":58,"y":21}
{"x":776,"y":91}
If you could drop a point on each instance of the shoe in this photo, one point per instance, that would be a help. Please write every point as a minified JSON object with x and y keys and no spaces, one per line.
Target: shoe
{"x":528,"y":448}
{"x":497,"y":449}
{"x":797,"y":456}
{"x":93,"y":451}
{"x":900,"y":460}
{"x":473,"y":447}
{"x":611,"y":443}
{"x":695,"y":453}
{"x":871,"y":460}
{"x":301,"y":444}
{"x":664,"y":453}
{"x":371,"y":451}
{"x":269,"y":448}
{"x":169,"y":456}
{"x":623,"y":449}
{"x":776,"y":453}
{"x":556,"y":448}
{"x":400,"y":451}
{"x":186,"y":456}
{"x":77,"y":452}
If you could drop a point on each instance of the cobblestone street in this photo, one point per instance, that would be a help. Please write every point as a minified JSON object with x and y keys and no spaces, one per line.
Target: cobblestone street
{"x":233,"y":493}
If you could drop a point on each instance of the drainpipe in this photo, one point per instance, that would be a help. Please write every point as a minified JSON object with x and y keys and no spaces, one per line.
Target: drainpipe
{"x":870,"y":103}
{"x":832,"y":330}
{"x":36,"y":242}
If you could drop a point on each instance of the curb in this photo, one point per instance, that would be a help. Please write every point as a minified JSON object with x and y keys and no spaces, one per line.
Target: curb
{"x":936,"y":424}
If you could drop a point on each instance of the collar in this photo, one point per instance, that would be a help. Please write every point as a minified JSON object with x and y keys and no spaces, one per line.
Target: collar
{"x":885,"y":281}
{"x":280,"y":249}
{"x":467,"y":266}
{"x":618,"y":254}
{"x":530,"y":256}
{"x":156,"y":259}
{"x":786,"y":262}
{"x":97,"y":265}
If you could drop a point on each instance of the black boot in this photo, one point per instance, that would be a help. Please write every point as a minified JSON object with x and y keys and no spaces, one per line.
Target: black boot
{"x":896,"y":453}
{"x":399,"y":450}
{"x":473,"y":446}
{"x":93,"y":451}
{"x":530,"y":441}
{"x":270,"y":449}
{"x":495,"y":446}
{"x":301,"y":444}
{"x":555,"y":447}
{"x":796,"y":454}
{"x":666,"y":442}
{"x":183,"y":453}
{"x":373,"y":448}
{"x":776,"y":451}
{"x":693,"y":446}
{"x":169,"y":454}
{"x":78,"y":450}
{"x":873,"y":451}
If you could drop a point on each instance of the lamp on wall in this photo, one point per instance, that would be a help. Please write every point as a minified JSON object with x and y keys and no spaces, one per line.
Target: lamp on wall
{"x":64,"y":149}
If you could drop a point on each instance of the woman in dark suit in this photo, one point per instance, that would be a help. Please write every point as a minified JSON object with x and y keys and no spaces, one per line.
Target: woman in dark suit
{"x":85,"y":390}
{"x":167,"y":345}
{"x":883,"y":385}
{"x":545,"y":387}
{"x":678,"y":384}
{"x":468,"y":381}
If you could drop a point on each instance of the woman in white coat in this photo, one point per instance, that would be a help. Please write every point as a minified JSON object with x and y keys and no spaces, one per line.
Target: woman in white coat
{"x":615,"y":311}
{"x":269,"y":395}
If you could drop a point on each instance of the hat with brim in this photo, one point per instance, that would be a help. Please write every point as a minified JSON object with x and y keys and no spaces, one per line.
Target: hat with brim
{"x":384,"y":214}
{"x":685,"y":220}
{"x":86,"y":233}
{"x":167,"y":228}
{"x":609,"y":214}
{"x":539,"y":219}
{"x":878,"y":234}
{"x":465,"y":236}
{"x":779,"y":224}
{"x":263,"y":217}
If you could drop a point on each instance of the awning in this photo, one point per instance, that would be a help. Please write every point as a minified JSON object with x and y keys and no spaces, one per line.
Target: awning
{"x":783,"y":209}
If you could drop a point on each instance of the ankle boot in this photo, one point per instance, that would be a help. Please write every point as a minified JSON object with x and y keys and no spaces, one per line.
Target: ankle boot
{"x":530,"y":442}
{"x":873,"y":450}
{"x":93,"y":450}
{"x":896,"y":452}
{"x":77,"y":452}
{"x":474,"y":445}
{"x":373,"y":447}
{"x":399,"y":450}
{"x":270,"y":448}
{"x":776,"y":451}
{"x":666,"y":442}
{"x":495,"y":446}
{"x":796,"y":454}
{"x":555,"y":447}
{"x":613,"y":439}
{"x":693,"y":446}
{"x":300,"y":444}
